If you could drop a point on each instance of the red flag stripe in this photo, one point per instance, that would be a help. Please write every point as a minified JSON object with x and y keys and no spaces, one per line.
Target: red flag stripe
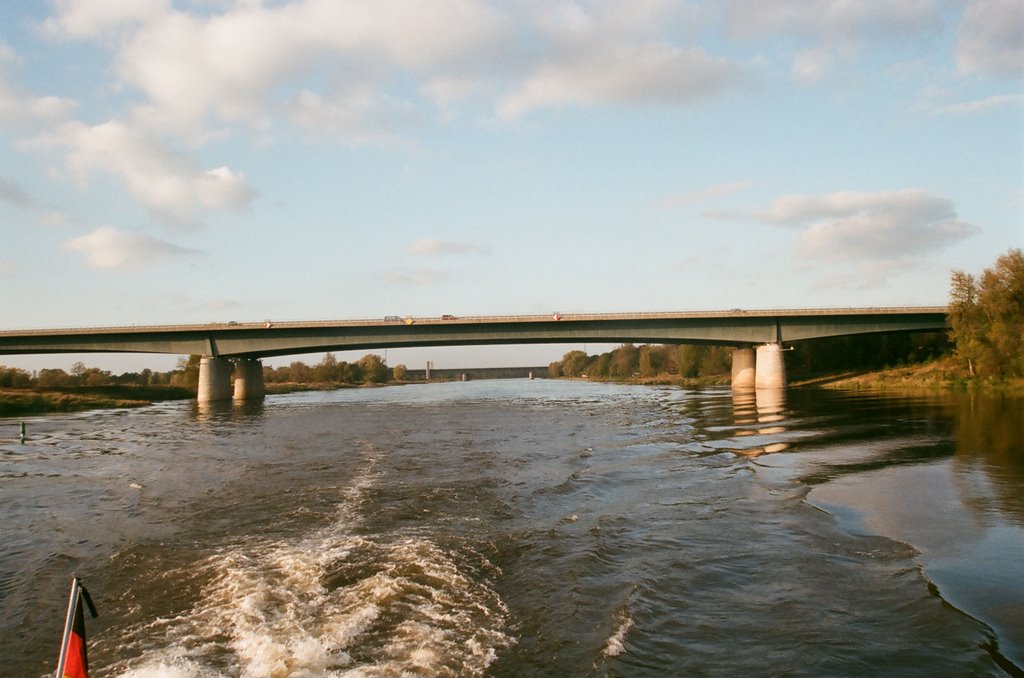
{"x":76,"y":660}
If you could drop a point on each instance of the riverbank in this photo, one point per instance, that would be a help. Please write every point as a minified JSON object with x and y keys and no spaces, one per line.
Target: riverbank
{"x":16,"y":402}
{"x":943,"y":374}
{"x":21,"y":401}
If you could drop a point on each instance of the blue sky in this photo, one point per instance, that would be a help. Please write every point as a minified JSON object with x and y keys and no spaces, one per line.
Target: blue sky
{"x":196,"y":161}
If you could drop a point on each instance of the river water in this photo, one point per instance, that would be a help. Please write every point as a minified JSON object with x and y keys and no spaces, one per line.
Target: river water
{"x":518,"y":528}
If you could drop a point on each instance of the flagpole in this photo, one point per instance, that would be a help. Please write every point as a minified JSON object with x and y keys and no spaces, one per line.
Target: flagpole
{"x":67,"y":627}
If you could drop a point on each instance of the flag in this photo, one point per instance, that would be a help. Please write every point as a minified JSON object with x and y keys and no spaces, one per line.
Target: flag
{"x":74,"y":658}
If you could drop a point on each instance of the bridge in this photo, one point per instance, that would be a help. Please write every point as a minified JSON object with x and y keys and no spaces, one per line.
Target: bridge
{"x":757,"y":336}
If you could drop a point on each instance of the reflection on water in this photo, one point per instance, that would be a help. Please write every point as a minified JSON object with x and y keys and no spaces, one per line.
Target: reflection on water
{"x":988,"y":433}
{"x":763,"y":410}
{"x":963,"y":511}
{"x":225,"y":410}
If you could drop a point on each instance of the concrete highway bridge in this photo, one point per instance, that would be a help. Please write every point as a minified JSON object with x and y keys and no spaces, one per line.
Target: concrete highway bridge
{"x":757,"y":336}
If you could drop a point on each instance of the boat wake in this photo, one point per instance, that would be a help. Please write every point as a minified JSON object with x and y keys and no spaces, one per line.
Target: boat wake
{"x":335,"y":603}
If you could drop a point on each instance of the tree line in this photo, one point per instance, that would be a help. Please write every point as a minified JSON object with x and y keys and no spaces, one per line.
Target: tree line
{"x":807,"y":359}
{"x":371,"y":368}
{"x":986,"y":314}
{"x":81,"y":376}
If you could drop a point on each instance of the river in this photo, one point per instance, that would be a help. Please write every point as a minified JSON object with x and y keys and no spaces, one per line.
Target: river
{"x":521,"y":528}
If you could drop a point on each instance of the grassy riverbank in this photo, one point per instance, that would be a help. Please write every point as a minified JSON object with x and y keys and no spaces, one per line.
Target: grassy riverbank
{"x":943,"y":374}
{"x":16,"y":402}
{"x":21,"y":401}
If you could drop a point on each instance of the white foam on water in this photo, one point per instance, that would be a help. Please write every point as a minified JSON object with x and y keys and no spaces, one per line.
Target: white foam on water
{"x":333,"y":603}
{"x":170,"y":668}
{"x":614,"y":646}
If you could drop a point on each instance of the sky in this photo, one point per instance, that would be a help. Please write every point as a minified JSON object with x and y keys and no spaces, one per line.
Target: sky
{"x":195,"y":161}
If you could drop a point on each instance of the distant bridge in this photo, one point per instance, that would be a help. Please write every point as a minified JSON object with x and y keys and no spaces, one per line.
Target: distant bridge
{"x":471,"y":373}
{"x":249,"y":341}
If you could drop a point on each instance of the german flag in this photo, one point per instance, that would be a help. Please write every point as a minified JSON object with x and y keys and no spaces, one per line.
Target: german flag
{"x":74,"y":659}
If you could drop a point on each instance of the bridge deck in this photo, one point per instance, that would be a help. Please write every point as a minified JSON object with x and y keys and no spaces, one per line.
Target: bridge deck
{"x":269,"y":338}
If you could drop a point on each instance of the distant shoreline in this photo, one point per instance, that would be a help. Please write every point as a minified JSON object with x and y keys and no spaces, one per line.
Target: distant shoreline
{"x":934,"y":376}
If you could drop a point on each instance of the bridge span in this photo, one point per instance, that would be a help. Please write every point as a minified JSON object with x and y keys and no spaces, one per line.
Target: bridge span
{"x":242,"y":345}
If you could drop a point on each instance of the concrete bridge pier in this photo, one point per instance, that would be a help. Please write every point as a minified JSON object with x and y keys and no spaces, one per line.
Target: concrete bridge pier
{"x":770,"y":367}
{"x":743,"y":368}
{"x":249,"y":379}
{"x":214,"y":379}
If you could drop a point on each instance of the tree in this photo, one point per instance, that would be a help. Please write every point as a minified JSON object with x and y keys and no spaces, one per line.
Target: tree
{"x":690,"y":356}
{"x":187,"y":372}
{"x":716,"y":360}
{"x":50,"y":378}
{"x":94,"y":376}
{"x":1001,"y":298}
{"x":78,"y":371}
{"x":965,"y":319}
{"x":13,"y":377}
{"x":652,"y":360}
{"x":574,"y":364}
{"x":598,"y":367}
{"x":348,"y":373}
{"x":373,"y":369}
{"x":299,"y":372}
{"x":327,"y":369}
{"x":399,"y":372}
{"x":625,"y":361}
{"x":986,"y":317}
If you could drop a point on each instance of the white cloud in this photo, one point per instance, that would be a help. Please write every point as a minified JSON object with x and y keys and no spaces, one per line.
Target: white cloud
{"x":626,"y":74}
{"x":430,"y":247}
{"x":89,"y":18}
{"x":833,"y":32}
{"x":981,"y":105}
{"x":357,"y":115}
{"x":832,"y":21}
{"x":223,"y":189}
{"x":109,"y":248}
{"x":583,"y":54}
{"x":991,"y":38}
{"x":880,"y":226}
{"x":18,"y":109}
{"x":354,"y":69}
{"x":238,"y":65}
{"x":167,"y":182}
